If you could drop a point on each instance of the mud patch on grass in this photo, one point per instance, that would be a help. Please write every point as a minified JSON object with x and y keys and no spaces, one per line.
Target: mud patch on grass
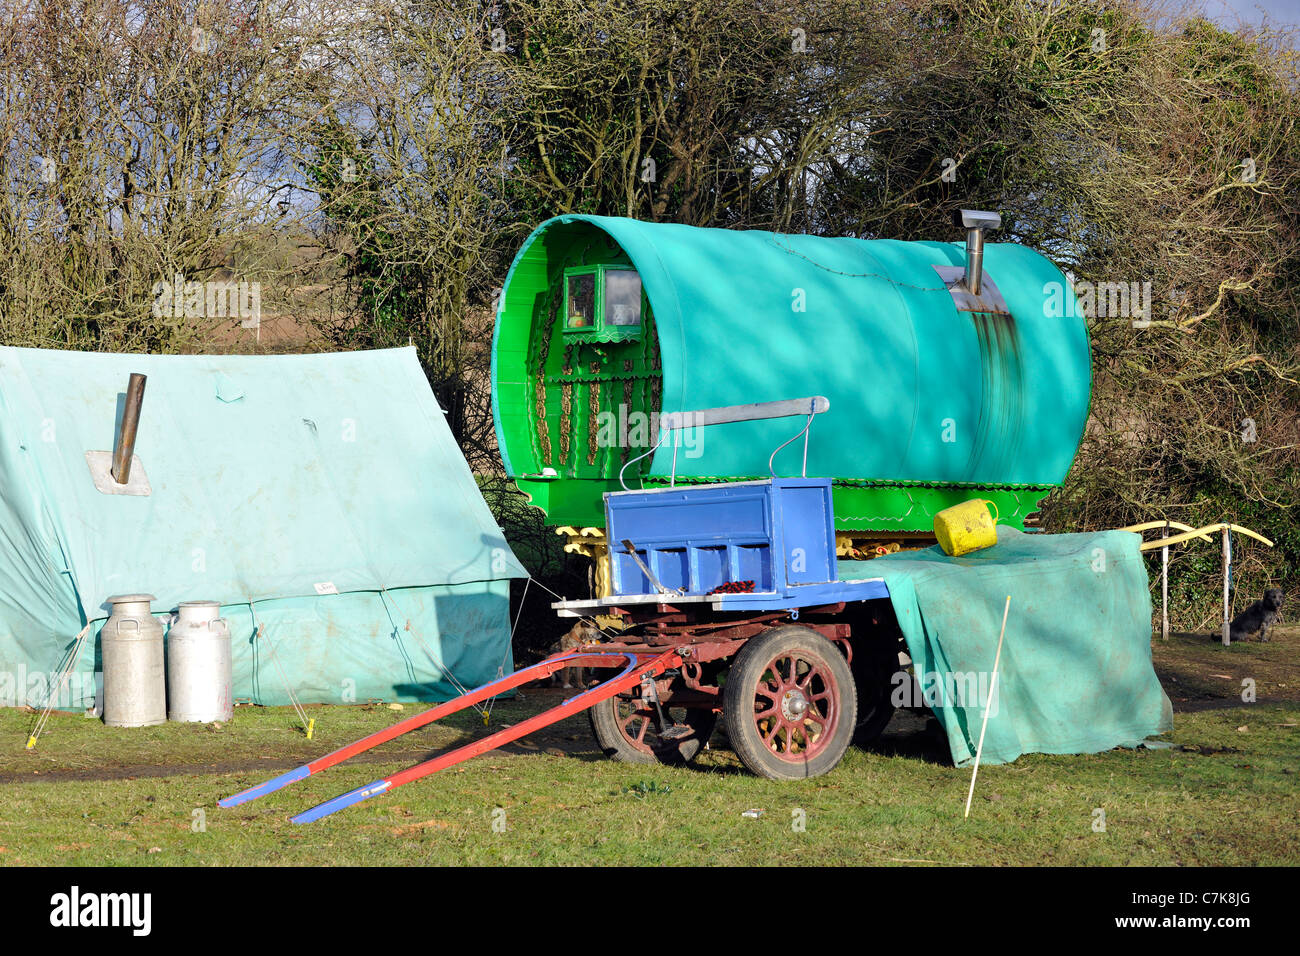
{"x":1199,"y":673}
{"x":144,"y":771}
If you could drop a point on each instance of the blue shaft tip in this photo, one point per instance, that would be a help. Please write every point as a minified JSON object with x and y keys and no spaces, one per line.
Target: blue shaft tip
{"x":262,"y":789}
{"x":341,"y":801}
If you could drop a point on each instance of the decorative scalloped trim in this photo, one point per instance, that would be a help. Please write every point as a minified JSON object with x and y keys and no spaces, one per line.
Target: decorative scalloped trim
{"x":599,"y":335}
{"x":857,"y":482}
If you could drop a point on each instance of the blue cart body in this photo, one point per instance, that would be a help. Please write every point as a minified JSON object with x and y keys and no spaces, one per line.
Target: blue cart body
{"x":778,"y":533}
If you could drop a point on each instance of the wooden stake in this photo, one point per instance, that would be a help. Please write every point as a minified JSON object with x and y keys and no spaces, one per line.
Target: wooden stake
{"x":993,"y":684}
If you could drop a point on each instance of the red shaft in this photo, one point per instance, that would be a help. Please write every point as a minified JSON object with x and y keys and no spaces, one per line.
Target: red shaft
{"x":638,"y":667}
{"x":493,"y":689}
{"x":573,"y":705}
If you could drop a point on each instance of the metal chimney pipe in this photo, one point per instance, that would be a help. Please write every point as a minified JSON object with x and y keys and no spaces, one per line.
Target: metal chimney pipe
{"x":974,"y":259}
{"x":975,"y":221}
{"x":124,"y":443}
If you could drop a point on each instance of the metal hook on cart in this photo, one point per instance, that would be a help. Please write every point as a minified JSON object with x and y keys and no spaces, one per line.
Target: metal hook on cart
{"x":651,"y":451}
{"x":813,"y":410}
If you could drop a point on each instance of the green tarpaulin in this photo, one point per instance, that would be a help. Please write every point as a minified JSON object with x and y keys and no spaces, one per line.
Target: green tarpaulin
{"x":320,"y":495}
{"x":1076,"y":673}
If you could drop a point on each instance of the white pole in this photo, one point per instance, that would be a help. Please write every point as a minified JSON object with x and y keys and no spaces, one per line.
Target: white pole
{"x":993,"y":684}
{"x":1227,"y":571}
{"x":1164,"y":588}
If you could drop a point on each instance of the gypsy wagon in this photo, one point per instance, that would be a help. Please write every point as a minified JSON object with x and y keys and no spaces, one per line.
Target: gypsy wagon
{"x":645,"y":381}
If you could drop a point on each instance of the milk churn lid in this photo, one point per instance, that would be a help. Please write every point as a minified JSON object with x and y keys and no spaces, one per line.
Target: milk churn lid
{"x":199,"y":604}
{"x":131,"y":598}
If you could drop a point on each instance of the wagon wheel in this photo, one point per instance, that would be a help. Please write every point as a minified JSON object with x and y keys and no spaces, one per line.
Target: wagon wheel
{"x":628,"y":730}
{"x":790,"y":704}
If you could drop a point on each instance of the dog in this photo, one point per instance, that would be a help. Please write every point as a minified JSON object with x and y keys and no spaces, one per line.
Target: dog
{"x":580,"y":634}
{"x":1260,"y":616}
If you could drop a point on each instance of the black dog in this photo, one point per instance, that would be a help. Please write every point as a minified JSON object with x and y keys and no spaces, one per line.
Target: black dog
{"x":1260,"y":616}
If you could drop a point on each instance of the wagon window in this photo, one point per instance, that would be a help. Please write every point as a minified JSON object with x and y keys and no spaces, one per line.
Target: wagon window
{"x":580,"y":296}
{"x":602,"y":302}
{"x":622,"y":297}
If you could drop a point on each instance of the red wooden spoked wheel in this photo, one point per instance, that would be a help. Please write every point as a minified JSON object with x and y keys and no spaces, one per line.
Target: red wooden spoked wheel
{"x":628,"y":730}
{"x":790,"y":704}
{"x":796,"y":706}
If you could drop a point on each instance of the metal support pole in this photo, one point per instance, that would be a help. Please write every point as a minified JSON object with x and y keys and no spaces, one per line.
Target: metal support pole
{"x":124,"y":446}
{"x":807,"y":432}
{"x":1227,"y":572}
{"x":1164,"y":589}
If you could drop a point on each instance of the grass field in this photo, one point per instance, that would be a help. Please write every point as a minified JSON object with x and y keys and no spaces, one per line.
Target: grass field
{"x":1226,"y":792}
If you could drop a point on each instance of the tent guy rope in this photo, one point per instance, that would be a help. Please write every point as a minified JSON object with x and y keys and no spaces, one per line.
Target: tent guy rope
{"x":308,"y":724}
{"x":57,"y":686}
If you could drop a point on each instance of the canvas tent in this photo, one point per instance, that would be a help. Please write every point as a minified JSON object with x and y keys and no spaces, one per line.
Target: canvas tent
{"x":321,"y":496}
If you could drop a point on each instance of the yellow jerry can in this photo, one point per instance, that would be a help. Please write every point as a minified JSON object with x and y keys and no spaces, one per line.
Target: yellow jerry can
{"x":966,"y":527}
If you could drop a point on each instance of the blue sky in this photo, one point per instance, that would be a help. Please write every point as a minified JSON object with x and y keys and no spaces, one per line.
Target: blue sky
{"x":1279,"y":12}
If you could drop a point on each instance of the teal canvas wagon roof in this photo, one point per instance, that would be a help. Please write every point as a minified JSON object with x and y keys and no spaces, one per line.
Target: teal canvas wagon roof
{"x":272,"y":476}
{"x":918,"y":391}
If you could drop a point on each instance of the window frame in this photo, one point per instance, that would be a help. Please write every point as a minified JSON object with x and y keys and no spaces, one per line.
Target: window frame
{"x":600,"y":329}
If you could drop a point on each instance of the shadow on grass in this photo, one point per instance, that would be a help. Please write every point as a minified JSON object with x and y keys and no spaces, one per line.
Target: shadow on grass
{"x":914,"y":735}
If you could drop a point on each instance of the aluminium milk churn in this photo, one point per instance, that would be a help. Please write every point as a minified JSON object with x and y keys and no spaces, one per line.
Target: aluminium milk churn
{"x":198,"y":663}
{"x":131,"y":644}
